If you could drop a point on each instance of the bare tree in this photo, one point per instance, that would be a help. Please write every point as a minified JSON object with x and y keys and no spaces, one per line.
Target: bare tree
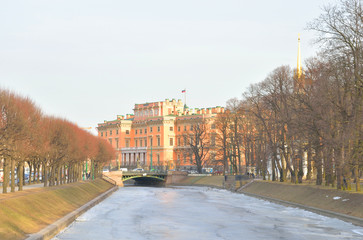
{"x":340,"y":29}
{"x":198,"y":142}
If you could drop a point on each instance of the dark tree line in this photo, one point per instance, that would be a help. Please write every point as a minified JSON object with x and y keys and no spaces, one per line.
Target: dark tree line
{"x":54,"y":149}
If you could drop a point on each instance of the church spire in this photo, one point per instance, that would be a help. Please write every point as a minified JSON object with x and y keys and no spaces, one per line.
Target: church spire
{"x":299,"y":69}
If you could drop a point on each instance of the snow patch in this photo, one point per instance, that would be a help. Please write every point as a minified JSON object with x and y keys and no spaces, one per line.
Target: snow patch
{"x":358,"y":231}
{"x":336,"y":198}
{"x":344,"y":200}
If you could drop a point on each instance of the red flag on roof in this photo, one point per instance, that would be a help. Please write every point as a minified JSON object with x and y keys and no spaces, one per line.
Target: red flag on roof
{"x":183,"y":91}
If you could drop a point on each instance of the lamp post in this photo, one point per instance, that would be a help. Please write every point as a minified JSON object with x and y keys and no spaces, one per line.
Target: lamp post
{"x":85,"y":170}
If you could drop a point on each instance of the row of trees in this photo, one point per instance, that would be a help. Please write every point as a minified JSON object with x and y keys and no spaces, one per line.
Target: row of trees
{"x":291,"y":125}
{"x":53,"y":148}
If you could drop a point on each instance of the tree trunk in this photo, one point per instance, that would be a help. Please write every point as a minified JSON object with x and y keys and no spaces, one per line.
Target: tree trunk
{"x":52,"y":176}
{"x":21,"y":175}
{"x":6,"y":175}
{"x":45,"y":174}
{"x":339,"y":168}
{"x":309,"y":167}
{"x":357,"y":178}
{"x":12,"y":185}
{"x":319,"y":167}
{"x":273,"y":170}
{"x":30,"y":172}
{"x":37,"y":173}
{"x":59,"y":175}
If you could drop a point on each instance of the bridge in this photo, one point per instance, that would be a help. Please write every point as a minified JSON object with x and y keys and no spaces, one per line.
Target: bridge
{"x":145,"y":178}
{"x":140,"y":178}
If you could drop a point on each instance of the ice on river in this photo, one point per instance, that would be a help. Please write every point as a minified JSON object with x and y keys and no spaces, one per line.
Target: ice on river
{"x":200,"y":213}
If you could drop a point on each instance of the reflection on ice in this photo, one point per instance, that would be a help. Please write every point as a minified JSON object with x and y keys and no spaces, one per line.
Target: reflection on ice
{"x":200,"y":213}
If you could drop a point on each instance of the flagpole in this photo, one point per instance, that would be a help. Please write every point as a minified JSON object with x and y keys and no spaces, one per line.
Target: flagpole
{"x":185,"y":96}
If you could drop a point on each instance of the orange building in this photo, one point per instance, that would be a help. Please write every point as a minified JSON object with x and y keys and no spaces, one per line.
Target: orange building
{"x":153,"y":135}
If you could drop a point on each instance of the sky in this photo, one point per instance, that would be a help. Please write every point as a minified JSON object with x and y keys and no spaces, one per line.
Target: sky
{"x":91,"y":60}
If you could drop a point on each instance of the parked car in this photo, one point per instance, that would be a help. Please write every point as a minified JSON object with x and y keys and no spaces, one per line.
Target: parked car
{"x":138,"y":170}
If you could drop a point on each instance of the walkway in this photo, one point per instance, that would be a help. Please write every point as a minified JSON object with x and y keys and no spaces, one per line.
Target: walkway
{"x":25,"y":187}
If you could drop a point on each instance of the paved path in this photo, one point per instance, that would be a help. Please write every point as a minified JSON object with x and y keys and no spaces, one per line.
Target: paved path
{"x":25,"y":187}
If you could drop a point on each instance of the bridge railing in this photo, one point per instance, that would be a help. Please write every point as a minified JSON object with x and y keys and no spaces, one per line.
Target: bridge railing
{"x":108,"y":179}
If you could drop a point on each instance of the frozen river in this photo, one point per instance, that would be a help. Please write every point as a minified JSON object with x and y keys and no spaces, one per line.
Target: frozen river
{"x":200,"y":213}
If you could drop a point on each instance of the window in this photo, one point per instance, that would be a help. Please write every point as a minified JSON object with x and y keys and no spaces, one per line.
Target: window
{"x":213,"y":126}
{"x":212,"y":156}
{"x":110,"y":140}
{"x":145,"y":143}
{"x":185,"y":140}
{"x":191,"y":158}
{"x":151,"y":129}
{"x":110,"y":132}
{"x":135,"y":143}
{"x":158,"y":141}
{"x":158,"y":128}
{"x":145,"y":130}
{"x":117,"y":132}
{"x":140,"y":142}
{"x":116,"y":139}
{"x":185,"y":158}
{"x":213,"y":140}
{"x":178,"y":159}
{"x":127,"y":143}
{"x":171,"y":142}
{"x":106,"y":134}
{"x":178,"y":141}
{"x":191,"y":127}
{"x":171,"y":129}
{"x":151,"y":142}
{"x":158,"y":157}
{"x":185,"y":128}
{"x":101,"y":134}
{"x":178,"y":128}
{"x":136,"y":132}
{"x":127,"y":132}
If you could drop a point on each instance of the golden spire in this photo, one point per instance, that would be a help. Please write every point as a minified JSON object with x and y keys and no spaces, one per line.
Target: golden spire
{"x":299,"y":69}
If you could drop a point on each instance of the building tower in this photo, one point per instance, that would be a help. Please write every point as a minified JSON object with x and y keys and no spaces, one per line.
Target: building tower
{"x":299,"y":69}
{"x":299,"y":78}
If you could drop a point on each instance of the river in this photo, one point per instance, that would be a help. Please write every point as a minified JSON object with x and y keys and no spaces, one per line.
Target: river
{"x":200,"y":213}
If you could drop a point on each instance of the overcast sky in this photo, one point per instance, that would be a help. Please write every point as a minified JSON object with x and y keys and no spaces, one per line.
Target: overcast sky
{"x":88,"y":61}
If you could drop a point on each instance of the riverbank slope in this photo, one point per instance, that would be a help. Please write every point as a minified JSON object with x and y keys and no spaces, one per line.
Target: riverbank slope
{"x":300,"y":195}
{"x":321,"y":197}
{"x":26,"y":212}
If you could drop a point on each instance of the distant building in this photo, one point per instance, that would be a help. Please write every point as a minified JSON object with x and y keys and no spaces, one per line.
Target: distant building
{"x":155,"y":134}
